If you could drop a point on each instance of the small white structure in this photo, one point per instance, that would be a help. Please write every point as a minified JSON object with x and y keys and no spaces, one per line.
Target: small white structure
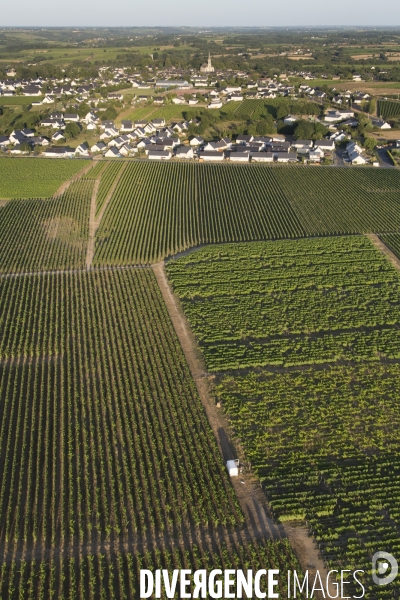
{"x":233,"y":468}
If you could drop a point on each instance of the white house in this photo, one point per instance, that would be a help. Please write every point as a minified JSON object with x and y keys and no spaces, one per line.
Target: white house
{"x":212,"y":156}
{"x":159,"y":154}
{"x":57,"y":136}
{"x":262,"y":157}
{"x":356,"y":159}
{"x":285,"y":157}
{"x":381,"y":124}
{"x":83,"y":149}
{"x":185,"y":152}
{"x":112,"y":153}
{"x":353,"y":147}
{"x":99,"y":147}
{"x":326,"y":145}
{"x":196,"y":141}
{"x":179,"y":100}
{"x":215,"y":104}
{"x":240,"y":156}
{"x":126,"y":149}
{"x":71,"y":118}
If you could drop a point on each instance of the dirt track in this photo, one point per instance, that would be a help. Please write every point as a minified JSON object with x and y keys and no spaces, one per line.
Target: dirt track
{"x":259,"y":524}
{"x":94,"y":222}
{"x":64,"y":186}
{"x":383,"y":248}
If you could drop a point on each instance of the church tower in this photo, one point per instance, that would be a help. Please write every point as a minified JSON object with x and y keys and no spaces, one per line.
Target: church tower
{"x":207,"y":67}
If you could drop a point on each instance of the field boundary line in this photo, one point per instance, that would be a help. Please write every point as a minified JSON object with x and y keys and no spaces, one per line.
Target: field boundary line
{"x":247,"y":487}
{"x":92,"y":231}
{"x":380,"y":245}
{"x":65,"y":185}
{"x":109,"y":195}
{"x":94,"y":222}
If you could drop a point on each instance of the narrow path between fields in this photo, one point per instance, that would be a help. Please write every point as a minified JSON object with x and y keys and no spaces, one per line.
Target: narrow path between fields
{"x":94,"y":222}
{"x":252,"y":500}
{"x":384,"y":249}
{"x":64,"y":186}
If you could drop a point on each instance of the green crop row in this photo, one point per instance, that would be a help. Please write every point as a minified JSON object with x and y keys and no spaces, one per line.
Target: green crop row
{"x":290,"y":302}
{"x":34,"y":177}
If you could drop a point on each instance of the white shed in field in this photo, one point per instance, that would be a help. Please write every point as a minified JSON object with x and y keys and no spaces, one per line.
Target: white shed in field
{"x":233,"y":467}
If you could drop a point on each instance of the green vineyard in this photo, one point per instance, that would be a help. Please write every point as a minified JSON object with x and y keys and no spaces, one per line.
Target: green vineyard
{"x":114,"y":440}
{"x":43,"y":235}
{"x":392,"y":240}
{"x":158,"y":210}
{"x":35,"y":178}
{"x":289,"y":303}
{"x":116,"y":576}
{"x":388,"y":109}
{"x":325,"y":445}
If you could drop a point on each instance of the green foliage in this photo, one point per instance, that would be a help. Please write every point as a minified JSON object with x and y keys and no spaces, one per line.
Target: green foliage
{"x":29,"y":178}
{"x":388,"y":109}
{"x":288,"y":302}
{"x":307,"y":130}
{"x":172,"y":207}
{"x":370,"y":143}
{"x":111,"y":398}
{"x":71,"y":131}
{"x":46,"y":234}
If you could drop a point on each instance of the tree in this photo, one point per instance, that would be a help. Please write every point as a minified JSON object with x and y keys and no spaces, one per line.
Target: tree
{"x":25,"y":147}
{"x":370,"y":144}
{"x":72,"y":131}
{"x":304,"y":130}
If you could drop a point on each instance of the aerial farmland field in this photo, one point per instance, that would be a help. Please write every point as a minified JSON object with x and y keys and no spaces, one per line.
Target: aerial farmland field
{"x":302,"y":340}
{"x":117,"y":414}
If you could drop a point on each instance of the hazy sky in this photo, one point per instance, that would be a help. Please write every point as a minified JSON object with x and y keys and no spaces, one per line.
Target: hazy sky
{"x":199,"y":13}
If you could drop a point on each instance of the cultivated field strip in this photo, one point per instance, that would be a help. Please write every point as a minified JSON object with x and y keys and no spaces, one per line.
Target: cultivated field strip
{"x":288,"y":303}
{"x":158,"y":210}
{"x":329,"y":201}
{"x":37,"y":235}
{"x":113,"y":441}
{"x":108,"y":177}
{"x":325,"y":445}
{"x":35,"y":177}
{"x":115,"y":576}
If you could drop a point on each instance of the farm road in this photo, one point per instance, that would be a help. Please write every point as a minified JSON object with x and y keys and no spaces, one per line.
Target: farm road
{"x":94,"y":222}
{"x":252,"y":500}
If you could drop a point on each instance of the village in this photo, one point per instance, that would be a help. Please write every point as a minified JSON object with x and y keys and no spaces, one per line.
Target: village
{"x":166,"y":138}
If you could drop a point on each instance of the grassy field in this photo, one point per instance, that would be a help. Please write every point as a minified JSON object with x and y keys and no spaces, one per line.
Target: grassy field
{"x":34,"y":178}
{"x":19,"y":100}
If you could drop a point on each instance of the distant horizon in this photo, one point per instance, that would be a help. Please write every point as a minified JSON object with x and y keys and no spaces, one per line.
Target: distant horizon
{"x":205,"y":27}
{"x":221,"y":13}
